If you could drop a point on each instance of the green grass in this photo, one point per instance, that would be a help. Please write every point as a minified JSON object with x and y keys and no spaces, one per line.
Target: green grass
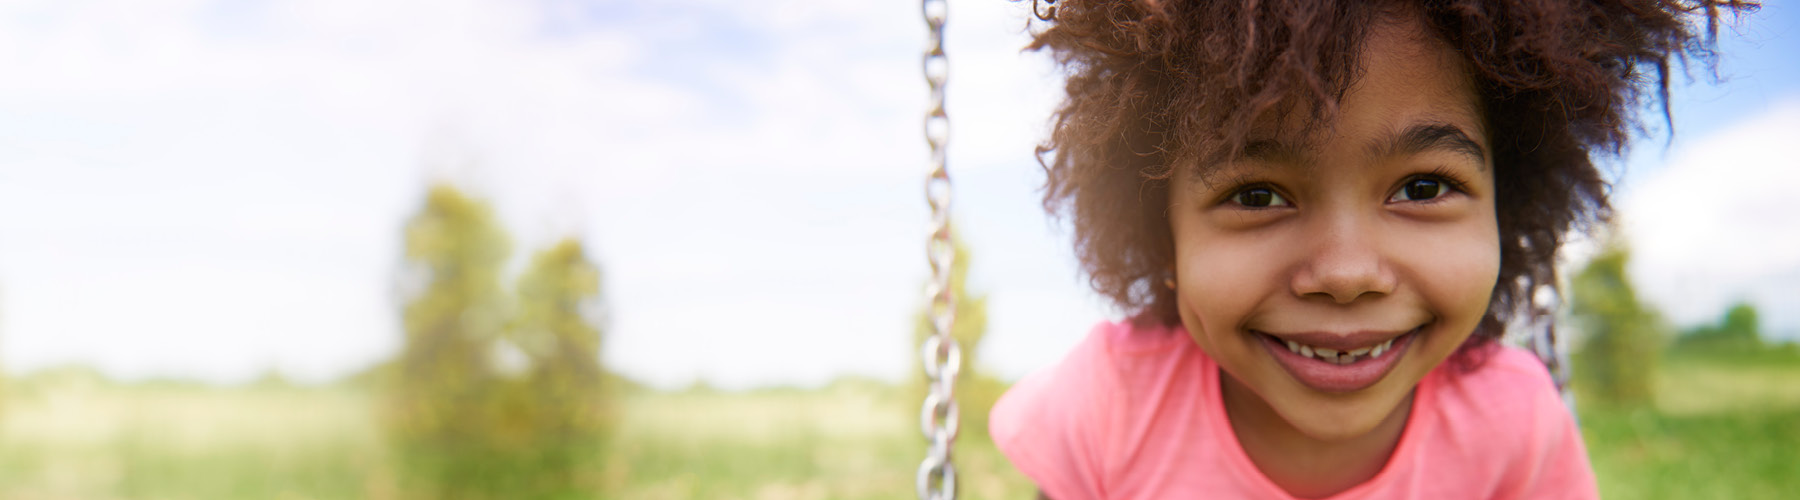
{"x":1648,"y":454}
{"x":1719,"y":430}
{"x":93,"y":441}
{"x":99,"y":442}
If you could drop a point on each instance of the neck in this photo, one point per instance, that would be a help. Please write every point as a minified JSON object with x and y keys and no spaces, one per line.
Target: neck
{"x":1303,"y":466}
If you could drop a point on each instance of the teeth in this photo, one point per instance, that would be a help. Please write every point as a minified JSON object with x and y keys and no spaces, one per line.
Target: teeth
{"x":1336,"y":357}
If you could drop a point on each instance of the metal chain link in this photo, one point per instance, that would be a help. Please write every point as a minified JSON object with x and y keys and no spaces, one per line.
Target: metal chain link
{"x":1551,"y":349}
{"x":938,"y":417}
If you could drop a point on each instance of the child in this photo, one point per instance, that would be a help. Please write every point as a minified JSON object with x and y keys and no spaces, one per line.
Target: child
{"x":1308,"y":207}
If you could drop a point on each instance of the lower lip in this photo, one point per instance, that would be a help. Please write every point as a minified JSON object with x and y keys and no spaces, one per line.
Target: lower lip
{"x":1330,"y":377}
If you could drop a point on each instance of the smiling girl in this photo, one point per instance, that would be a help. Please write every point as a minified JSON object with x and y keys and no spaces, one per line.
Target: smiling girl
{"x":1320,"y":217}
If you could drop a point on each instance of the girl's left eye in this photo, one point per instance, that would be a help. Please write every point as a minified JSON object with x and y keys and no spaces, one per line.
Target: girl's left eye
{"x":1420,"y":190}
{"x":1259,"y":197}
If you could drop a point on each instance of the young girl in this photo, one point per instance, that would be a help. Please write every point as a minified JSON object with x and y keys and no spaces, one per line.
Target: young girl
{"x":1321,"y":215}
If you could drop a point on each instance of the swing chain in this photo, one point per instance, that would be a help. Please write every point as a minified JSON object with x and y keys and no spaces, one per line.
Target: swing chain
{"x":938,"y":417}
{"x":1550,"y":349}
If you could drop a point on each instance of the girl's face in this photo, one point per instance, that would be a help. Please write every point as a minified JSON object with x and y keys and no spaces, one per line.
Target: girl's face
{"x":1327,"y":274}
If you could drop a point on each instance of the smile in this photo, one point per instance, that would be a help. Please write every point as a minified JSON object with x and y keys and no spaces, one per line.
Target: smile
{"x":1338,"y":363}
{"x":1334,"y":356}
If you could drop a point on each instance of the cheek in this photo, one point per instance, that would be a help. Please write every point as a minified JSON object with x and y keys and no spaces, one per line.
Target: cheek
{"x":1221,"y":279}
{"x":1456,"y":272}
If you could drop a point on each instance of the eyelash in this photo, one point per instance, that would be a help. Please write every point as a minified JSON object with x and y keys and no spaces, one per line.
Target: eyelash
{"x":1244,"y":183}
{"x":1441,"y":174}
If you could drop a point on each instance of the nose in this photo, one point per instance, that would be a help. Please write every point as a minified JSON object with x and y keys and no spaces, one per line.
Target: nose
{"x":1344,"y":262}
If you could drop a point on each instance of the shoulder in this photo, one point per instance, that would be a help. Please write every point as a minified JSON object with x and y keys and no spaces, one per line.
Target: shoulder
{"x":1059,"y":424}
{"x":1505,"y":412}
{"x":1082,"y":383}
{"x":1499,"y":364}
{"x":1507,"y":393}
{"x":1108,"y":357}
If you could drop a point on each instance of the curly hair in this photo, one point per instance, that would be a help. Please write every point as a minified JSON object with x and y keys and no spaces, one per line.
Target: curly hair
{"x":1157,"y":85}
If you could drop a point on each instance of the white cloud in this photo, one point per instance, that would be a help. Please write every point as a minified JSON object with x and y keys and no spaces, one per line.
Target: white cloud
{"x":217,"y":187}
{"x":1719,"y":224}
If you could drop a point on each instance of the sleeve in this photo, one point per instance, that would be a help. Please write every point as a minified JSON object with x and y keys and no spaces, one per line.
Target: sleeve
{"x":1554,"y":463}
{"x":1052,"y":424}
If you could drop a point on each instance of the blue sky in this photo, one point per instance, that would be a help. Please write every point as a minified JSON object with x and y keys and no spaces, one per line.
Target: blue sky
{"x":1705,"y":214}
{"x":213,"y":189}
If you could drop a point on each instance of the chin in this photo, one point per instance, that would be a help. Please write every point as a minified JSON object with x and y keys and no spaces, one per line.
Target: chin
{"x":1340,"y":417}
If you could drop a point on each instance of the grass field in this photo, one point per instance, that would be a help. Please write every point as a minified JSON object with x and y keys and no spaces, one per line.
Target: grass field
{"x":95,"y":441}
{"x":1719,"y":430}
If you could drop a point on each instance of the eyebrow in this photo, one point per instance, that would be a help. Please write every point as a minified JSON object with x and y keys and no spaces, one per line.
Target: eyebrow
{"x":1428,"y":136}
{"x":1275,"y":151}
{"x":1415,"y":139}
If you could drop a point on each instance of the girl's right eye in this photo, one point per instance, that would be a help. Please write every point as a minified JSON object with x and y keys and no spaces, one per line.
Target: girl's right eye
{"x":1259,"y":197}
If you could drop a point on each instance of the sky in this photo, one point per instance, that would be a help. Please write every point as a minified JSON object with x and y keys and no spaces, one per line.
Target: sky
{"x":216,"y":189}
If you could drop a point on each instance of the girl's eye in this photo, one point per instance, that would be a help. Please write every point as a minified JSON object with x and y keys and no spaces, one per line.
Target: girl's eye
{"x":1419,"y":190}
{"x":1259,"y":198}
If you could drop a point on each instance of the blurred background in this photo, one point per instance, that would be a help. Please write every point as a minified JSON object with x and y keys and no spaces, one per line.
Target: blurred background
{"x":610,"y":249}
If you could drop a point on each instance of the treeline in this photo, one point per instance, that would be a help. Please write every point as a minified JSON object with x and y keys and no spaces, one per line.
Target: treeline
{"x":1624,"y":340}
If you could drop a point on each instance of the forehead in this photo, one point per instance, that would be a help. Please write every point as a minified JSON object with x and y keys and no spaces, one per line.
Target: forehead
{"x":1403,"y":63}
{"x":1405,"y":77}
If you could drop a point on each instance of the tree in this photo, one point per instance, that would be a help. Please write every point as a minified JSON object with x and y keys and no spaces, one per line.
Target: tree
{"x":443,"y":385}
{"x":1740,"y":324}
{"x":564,"y":411}
{"x":976,"y":391}
{"x":1623,"y":336}
{"x":1738,"y":332}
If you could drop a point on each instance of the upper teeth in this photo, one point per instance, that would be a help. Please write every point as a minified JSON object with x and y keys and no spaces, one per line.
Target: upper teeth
{"x":1343,"y":358}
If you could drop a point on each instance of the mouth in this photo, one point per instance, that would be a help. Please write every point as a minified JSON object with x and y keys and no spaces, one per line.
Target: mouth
{"x":1338,"y":363}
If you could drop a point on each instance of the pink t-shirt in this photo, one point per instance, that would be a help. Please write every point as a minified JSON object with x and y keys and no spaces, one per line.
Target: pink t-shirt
{"x":1136,"y":413}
